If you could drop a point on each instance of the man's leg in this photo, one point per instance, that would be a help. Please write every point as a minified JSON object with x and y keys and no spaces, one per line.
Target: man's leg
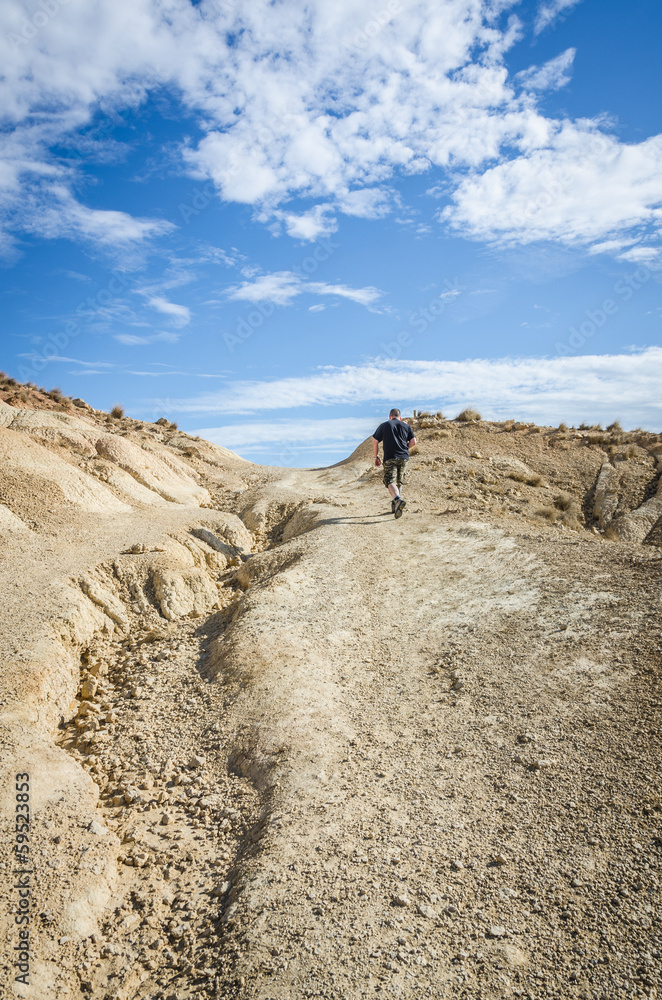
{"x":399,"y":502}
{"x":390,"y":480}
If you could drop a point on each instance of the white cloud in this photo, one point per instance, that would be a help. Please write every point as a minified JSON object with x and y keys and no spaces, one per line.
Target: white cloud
{"x":53,"y":213}
{"x":551,"y":75}
{"x":367,"y":203}
{"x":641,"y":255}
{"x":180,"y":315}
{"x":548,"y":390}
{"x":581,"y":187}
{"x":251,"y":435}
{"x":345,"y":101}
{"x":310,"y":225}
{"x":364,"y":296}
{"x":282,"y":287}
{"x":550,"y":11}
{"x":131,"y":340}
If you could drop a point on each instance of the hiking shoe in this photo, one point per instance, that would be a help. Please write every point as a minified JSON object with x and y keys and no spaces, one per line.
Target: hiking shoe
{"x":399,"y":505}
{"x":393,"y":502}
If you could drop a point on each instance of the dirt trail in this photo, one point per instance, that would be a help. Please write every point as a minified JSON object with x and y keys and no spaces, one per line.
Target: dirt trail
{"x":430,"y":703}
{"x":282,"y":745}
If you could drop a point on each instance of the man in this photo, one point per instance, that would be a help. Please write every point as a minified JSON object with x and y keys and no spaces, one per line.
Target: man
{"x":397,"y":438}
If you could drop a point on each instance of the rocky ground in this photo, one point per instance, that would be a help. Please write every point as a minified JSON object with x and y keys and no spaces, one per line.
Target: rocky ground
{"x":282,"y":745}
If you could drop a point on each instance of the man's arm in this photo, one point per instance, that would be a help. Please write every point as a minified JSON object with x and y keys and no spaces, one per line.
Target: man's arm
{"x":375,"y":450}
{"x":411,"y":443}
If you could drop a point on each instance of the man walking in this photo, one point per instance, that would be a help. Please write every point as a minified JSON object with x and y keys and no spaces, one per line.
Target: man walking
{"x":397,"y":438}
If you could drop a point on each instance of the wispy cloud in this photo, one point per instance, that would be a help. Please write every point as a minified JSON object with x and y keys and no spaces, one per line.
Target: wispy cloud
{"x":586,"y":387}
{"x":282,"y":287}
{"x":131,"y":340}
{"x":548,"y":12}
{"x":253,"y":436}
{"x":180,"y":315}
{"x":551,"y":75}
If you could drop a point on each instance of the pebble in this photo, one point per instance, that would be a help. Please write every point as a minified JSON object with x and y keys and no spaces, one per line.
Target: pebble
{"x":499,"y":859}
{"x":426,"y":911}
{"x":97,"y":828}
{"x":401,"y":900}
{"x":457,"y":866}
{"x":497,"y":931}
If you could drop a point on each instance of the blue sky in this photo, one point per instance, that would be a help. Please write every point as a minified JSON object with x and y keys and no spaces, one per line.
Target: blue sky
{"x":272,"y":221}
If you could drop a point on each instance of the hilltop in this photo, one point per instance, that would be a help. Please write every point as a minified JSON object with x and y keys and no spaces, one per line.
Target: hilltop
{"x":281,"y":745}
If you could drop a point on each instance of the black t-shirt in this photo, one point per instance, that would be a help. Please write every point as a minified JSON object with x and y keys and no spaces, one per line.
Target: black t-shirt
{"x":395,"y":435}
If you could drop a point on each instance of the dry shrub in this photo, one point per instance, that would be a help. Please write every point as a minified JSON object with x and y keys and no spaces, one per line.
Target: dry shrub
{"x":597,"y":438}
{"x":630,"y":451}
{"x":563,"y":426}
{"x":615,"y":428}
{"x":117,"y":412}
{"x":440,"y":434}
{"x":174,"y":426}
{"x":469,"y":416}
{"x":563,"y":502}
{"x":533,"y":479}
{"x":550,"y":514}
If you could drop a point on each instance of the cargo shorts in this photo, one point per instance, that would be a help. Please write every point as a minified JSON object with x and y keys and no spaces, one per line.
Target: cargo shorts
{"x":394,"y":471}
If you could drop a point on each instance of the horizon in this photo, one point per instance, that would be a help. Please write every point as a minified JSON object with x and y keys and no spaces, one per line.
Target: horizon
{"x":271,"y":225}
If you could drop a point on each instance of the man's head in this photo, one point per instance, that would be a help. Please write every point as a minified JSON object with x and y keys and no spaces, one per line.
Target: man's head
{"x":394,"y":414}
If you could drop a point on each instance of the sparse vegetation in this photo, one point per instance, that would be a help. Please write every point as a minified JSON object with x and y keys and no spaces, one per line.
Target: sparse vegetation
{"x":469,"y":416}
{"x":117,"y":412}
{"x":563,"y":426}
{"x":533,"y":479}
{"x":550,"y":514}
{"x":615,"y":428}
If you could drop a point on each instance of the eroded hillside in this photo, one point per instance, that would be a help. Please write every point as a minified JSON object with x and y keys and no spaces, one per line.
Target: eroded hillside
{"x":282,"y":745}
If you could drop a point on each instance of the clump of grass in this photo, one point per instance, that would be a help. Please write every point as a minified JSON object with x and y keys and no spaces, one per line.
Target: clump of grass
{"x":563,"y":502}
{"x":550,"y":514}
{"x":563,"y":426}
{"x":599,"y":438}
{"x":469,"y":416}
{"x":531,"y":479}
{"x":440,"y":434}
{"x":117,"y":412}
{"x":615,"y":428}
{"x":630,"y":451}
